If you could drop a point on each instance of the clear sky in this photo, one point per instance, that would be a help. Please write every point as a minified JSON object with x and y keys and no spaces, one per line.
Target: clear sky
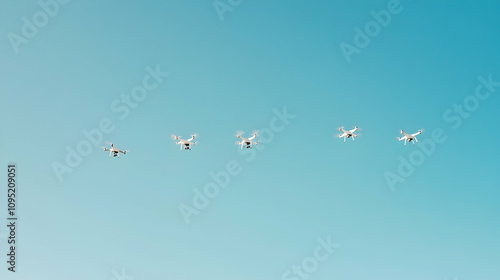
{"x":234,"y":72}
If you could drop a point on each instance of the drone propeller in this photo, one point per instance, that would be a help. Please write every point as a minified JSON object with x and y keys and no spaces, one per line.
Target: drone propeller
{"x":174,"y":137}
{"x":237,"y":142}
{"x":239,"y":133}
{"x":255,"y":132}
{"x":340,"y":128}
{"x":109,"y":143}
{"x":421,"y":130}
{"x":194,"y":135}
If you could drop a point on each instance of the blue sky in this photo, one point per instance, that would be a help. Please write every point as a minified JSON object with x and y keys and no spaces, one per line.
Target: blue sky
{"x":233,"y":74}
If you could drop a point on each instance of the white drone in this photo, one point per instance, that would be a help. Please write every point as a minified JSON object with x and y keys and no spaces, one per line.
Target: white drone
{"x":247,"y":142}
{"x":410,"y":137}
{"x":186,"y":144}
{"x":348,"y":133}
{"x":114,"y":151}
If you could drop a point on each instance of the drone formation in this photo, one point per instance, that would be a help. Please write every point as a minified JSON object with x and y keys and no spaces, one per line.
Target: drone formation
{"x":247,"y":143}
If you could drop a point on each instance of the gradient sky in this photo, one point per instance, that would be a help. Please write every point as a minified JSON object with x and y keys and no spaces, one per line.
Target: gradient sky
{"x":229,"y":75}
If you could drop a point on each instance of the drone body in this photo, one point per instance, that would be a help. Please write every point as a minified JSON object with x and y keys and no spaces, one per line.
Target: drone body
{"x":410,"y":137}
{"x":247,"y":142}
{"x":114,"y":151}
{"x":348,"y":133}
{"x":185,"y":144}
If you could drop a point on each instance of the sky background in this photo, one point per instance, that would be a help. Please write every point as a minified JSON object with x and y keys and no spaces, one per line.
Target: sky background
{"x":228,"y":75}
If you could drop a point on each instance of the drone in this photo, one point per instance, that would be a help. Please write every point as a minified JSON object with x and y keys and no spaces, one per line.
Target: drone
{"x":114,"y":151}
{"x":186,"y":144}
{"x":348,"y":133}
{"x":410,"y":137}
{"x":247,"y":142}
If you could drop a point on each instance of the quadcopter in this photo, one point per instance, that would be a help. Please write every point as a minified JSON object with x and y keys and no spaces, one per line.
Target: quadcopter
{"x":247,"y":142}
{"x":410,"y":137}
{"x":114,"y":151}
{"x":186,"y":144}
{"x":348,"y":133}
